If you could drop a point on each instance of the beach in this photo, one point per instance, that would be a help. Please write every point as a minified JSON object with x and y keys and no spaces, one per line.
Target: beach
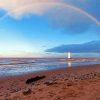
{"x":73,"y":83}
{"x":49,"y":50}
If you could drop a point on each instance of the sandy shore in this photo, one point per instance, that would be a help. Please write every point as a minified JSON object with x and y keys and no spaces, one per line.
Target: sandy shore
{"x":78,"y":83}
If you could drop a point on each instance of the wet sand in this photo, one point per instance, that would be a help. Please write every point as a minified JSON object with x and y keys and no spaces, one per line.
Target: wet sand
{"x":78,"y":83}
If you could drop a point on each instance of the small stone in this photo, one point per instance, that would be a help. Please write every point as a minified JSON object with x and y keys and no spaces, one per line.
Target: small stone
{"x":70,"y":83}
{"x":50,"y":83}
{"x":27,"y":91}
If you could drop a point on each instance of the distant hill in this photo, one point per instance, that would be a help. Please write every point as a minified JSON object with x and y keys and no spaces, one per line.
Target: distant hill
{"x":89,"y":47}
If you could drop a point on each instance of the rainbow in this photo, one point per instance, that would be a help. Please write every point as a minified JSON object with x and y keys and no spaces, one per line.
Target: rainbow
{"x":59,"y":4}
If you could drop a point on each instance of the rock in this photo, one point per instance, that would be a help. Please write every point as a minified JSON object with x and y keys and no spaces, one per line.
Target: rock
{"x":50,"y":83}
{"x":14,"y":89}
{"x":27,"y":92}
{"x":34,"y":79}
{"x":70,"y":84}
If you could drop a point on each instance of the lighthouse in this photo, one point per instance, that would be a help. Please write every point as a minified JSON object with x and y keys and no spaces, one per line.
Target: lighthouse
{"x":69,"y":59}
{"x":69,"y":55}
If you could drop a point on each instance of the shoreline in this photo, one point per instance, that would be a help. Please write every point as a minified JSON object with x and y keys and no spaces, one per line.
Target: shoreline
{"x":73,"y":68}
{"x":13,"y":86}
{"x":70,"y":63}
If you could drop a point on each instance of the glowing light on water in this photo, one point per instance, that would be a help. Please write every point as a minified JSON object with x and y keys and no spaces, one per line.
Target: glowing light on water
{"x":69,"y":64}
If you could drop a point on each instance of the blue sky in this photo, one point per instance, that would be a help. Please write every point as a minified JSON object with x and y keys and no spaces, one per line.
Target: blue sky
{"x":31,"y":30}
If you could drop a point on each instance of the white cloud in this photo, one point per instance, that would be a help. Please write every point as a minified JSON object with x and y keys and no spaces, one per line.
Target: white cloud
{"x":60,"y":18}
{"x":18,"y":54}
{"x":18,"y":8}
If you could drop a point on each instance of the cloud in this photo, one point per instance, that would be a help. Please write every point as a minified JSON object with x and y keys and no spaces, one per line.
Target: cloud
{"x":90,"y":47}
{"x":72,"y":21}
{"x":19,"y":8}
{"x":71,"y":16}
{"x":69,"y":21}
{"x":91,"y":6}
{"x":21,"y":54}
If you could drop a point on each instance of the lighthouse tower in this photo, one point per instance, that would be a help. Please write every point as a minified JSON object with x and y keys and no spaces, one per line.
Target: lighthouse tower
{"x":69,"y":55}
{"x":69,"y":59}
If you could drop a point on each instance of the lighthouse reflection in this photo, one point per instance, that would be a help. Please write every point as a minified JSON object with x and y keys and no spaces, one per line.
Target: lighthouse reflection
{"x":69,"y":64}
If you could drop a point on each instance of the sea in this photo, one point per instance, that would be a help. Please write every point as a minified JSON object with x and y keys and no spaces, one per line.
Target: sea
{"x":18,"y":66}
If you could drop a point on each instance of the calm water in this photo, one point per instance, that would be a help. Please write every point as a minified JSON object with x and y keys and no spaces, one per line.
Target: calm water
{"x":17,"y":66}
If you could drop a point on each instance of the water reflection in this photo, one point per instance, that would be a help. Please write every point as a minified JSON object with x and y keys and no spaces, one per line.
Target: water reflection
{"x":17,"y":66}
{"x":69,"y":64}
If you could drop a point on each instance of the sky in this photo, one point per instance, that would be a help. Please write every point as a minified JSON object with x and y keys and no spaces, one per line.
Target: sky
{"x":29,"y":27}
